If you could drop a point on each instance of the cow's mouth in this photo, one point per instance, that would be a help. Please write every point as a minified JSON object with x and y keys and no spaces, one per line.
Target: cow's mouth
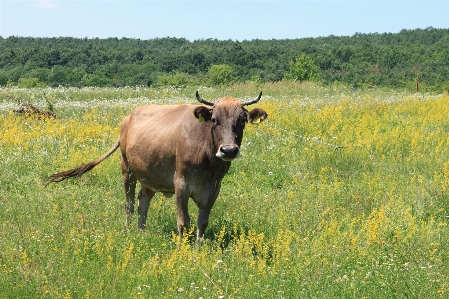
{"x":228,"y":152}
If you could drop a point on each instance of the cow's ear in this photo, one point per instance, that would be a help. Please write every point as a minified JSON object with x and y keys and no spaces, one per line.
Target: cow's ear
{"x":257,"y":115}
{"x":203,"y":113}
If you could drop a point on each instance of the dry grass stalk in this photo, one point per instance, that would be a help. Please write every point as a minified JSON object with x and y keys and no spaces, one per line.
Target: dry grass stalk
{"x":30,"y":110}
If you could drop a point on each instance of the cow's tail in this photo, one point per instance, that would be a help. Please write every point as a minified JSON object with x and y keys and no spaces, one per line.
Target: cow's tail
{"x":82,"y":169}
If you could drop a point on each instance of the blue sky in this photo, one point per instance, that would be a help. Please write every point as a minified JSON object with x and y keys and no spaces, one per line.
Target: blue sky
{"x":236,"y":20}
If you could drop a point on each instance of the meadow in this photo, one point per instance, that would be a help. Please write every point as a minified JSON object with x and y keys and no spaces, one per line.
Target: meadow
{"x":341,"y":193}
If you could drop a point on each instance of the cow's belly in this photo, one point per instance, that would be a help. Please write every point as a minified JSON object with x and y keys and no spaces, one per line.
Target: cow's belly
{"x":157,"y":185}
{"x":157,"y":177}
{"x":157,"y":180}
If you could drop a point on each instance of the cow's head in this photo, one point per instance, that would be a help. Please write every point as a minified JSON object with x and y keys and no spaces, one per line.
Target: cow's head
{"x":228,"y":117}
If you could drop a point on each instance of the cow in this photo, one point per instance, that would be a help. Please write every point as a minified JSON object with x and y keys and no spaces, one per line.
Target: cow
{"x":184,"y":150}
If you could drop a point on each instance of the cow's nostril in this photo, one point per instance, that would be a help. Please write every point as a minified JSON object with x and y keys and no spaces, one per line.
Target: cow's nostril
{"x":229,"y":150}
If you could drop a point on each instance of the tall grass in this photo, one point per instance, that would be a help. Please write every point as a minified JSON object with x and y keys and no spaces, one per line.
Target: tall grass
{"x":295,"y":217}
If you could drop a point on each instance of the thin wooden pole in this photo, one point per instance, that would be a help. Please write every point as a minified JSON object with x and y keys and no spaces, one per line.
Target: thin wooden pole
{"x":417,"y":80}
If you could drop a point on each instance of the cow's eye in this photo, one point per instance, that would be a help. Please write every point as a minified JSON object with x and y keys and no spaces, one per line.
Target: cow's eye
{"x":214,"y":121}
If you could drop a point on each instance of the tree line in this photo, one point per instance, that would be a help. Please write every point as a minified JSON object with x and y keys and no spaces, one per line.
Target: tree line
{"x":362,"y":60}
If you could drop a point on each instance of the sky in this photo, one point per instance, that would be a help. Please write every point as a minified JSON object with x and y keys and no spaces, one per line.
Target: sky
{"x":234,"y":19}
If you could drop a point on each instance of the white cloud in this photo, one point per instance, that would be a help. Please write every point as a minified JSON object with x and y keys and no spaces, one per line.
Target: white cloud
{"x":45,"y":3}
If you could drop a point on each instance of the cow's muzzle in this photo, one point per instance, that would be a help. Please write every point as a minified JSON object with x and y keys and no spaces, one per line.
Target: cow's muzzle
{"x":228,"y":152}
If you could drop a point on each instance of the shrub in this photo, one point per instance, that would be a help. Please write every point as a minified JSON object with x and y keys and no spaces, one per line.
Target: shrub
{"x":30,"y":83}
{"x":303,"y":69}
{"x":220,"y":74}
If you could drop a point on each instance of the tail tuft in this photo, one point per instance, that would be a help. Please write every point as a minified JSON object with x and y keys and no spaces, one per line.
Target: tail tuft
{"x":75,"y":172}
{"x":80,"y":170}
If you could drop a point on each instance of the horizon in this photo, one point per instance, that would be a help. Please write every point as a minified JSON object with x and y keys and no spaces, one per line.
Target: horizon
{"x":245,"y":40}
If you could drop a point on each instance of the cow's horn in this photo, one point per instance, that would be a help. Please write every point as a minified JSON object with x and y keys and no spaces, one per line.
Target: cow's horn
{"x":253,"y":101}
{"x":201,"y":100}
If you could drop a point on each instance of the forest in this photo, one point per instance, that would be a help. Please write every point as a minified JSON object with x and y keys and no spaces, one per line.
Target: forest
{"x":391,"y":60}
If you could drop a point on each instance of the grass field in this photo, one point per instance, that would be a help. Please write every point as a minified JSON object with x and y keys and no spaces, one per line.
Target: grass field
{"x":296,"y":218}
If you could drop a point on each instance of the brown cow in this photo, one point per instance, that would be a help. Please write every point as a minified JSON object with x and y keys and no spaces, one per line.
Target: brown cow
{"x":184,"y":150}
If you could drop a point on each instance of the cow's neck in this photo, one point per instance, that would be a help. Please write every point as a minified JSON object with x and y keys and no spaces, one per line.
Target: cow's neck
{"x":219,"y":167}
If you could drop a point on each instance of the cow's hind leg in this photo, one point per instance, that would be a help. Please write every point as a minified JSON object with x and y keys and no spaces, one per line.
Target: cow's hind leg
{"x":145,"y":196}
{"x":129,"y":182}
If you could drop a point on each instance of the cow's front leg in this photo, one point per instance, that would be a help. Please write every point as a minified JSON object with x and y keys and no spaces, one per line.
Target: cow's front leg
{"x":183,"y":215}
{"x":203,"y":222}
{"x":145,"y":196}
{"x":182,"y":201}
{"x":203,"y":215}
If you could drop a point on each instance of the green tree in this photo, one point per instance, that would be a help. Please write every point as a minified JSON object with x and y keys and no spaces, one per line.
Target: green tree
{"x":303,"y":69}
{"x":220,"y":74}
{"x":58,"y":75}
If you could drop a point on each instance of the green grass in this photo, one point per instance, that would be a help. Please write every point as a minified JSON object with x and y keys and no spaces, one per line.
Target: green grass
{"x":295,"y":218}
